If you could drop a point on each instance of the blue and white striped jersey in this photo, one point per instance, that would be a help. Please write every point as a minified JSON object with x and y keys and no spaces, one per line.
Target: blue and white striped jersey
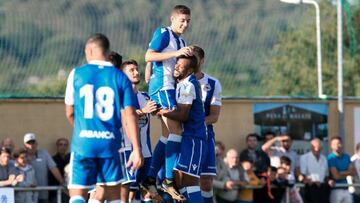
{"x":164,"y":40}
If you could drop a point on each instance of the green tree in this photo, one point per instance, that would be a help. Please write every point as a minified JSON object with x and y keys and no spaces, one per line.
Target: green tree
{"x":294,"y":65}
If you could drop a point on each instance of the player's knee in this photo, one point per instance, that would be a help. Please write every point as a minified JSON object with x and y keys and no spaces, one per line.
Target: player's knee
{"x":206,"y":183}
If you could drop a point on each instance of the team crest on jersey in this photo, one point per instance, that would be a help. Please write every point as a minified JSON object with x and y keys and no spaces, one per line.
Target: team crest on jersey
{"x":143,"y":121}
{"x":207,"y":87}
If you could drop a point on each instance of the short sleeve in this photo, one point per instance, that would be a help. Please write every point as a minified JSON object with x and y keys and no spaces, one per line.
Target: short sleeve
{"x":160,"y":39}
{"x":69,"y":93}
{"x":216,"y":99}
{"x":331,"y":161}
{"x":49,"y":160}
{"x":303,"y":164}
{"x":186,"y":94}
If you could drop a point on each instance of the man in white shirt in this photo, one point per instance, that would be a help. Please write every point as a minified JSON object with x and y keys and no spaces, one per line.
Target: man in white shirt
{"x":314,"y":174}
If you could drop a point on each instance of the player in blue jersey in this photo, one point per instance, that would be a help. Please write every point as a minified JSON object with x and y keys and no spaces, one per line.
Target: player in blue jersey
{"x":166,"y":44}
{"x":95,"y":95}
{"x":211,"y":97}
{"x":190,"y":112}
{"x":144,"y":107}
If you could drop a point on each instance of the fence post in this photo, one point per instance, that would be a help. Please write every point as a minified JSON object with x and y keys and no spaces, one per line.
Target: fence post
{"x":58,"y":194}
{"x":287,"y":197}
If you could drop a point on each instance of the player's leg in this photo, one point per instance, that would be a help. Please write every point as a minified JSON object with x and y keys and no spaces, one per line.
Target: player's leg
{"x":82,"y":177}
{"x":189,"y":186}
{"x":208,"y":171}
{"x":108,"y":179}
{"x":188,"y":168}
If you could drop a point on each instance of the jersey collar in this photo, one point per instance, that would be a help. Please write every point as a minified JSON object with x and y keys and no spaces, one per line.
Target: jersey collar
{"x":100,"y":63}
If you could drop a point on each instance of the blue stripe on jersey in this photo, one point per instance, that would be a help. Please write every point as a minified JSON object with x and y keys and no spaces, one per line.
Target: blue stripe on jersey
{"x":195,"y":125}
{"x":160,"y":39}
{"x":177,"y":40}
{"x":207,"y":103}
{"x":100,"y":92}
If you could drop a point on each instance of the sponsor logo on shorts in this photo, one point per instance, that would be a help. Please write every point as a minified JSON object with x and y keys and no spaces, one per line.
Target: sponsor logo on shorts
{"x":194,"y":166}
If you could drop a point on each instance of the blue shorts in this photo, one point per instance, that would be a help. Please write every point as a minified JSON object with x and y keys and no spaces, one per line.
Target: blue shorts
{"x":209,"y":166}
{"x":192,"y":155}
{"x":165,"y":99}
{"x":124,"y":158}
{"x":86,"y":172}
{"x":139,"y":175}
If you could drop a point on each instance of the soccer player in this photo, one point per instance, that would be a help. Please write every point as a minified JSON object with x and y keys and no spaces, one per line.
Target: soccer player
{"x":211,"y":97}
{"x":144,"y":107}
{"x":95,"y":95}
{"x":165,"y":46}
{"x":190,"y":112}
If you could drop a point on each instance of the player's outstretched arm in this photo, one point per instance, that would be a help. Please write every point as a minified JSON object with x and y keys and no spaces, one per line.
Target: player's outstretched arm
{"x":69,"y":109}
{"x":132,"y":130}
{"x":152,"y":55}
{"x":148,"y":72}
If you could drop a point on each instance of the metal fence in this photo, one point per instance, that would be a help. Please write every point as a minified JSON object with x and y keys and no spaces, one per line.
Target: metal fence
{"x":59,"y":189}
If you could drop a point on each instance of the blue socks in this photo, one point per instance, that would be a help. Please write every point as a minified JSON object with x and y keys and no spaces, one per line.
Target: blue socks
{"x":173,"y":147}
{"x":158,"y":157}
{"x":194,"y":194}
{"x":207,"y":196}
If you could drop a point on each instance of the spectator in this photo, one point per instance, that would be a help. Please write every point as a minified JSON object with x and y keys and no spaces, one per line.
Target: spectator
{"x":284,"y":150}
{"x":268,"y":136}
{"x":231,"y":178}
{"x":286,"y":178}
{"x":8,"y":143}
{"x":314,"y":174}
{"x":260,"y":160}
{"x":61,"y":158}
{"x":340,"y":167}
{"x":6,"y":177}
{"x":28,"y":177}
{"x":41,"y":161}
{"x":221,"y":168}
{"x":261,"y":163}
{"x":246,"y":195}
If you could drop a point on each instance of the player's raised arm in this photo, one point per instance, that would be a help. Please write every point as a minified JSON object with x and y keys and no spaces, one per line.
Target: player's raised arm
{"x":181,"y":113}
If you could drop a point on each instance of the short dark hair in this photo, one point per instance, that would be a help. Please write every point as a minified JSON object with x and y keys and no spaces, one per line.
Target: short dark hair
{"x":128,"y":62}
{"x":198,"y":51}
{"x":61,"y":139}
{"x":335,"y":138}
{"x":101,"y":41}
{"x":285,"y":160}
{"x":181,"y":9}
{"x":269,"y":133}
{"x":193,"y":60}
{"x":18,"y":152}
{"x":252,"y":135}
{"x":115,"y":58}
{"x":5,"y":150}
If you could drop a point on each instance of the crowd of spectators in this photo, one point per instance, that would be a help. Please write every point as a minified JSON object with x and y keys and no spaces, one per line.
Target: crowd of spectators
{"x":274,"y":163}
{"x":28,"y":166}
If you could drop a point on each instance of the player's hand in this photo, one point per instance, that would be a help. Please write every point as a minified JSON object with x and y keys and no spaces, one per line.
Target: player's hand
{"x":135,"y":160}
{"x":150,"y":107}
{"x":229,"y":185}
{"x":187,"y":51}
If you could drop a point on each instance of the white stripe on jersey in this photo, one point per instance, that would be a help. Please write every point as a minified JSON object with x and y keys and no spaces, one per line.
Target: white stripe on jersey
{"x":144,"y":133}
{"x":216,"y":98}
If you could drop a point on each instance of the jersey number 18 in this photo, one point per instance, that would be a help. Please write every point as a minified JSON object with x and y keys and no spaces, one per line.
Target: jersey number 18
{"x":104,"y":106}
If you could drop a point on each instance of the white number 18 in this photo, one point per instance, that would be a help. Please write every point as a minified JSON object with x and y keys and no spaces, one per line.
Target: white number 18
{"x":104,"y":106}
